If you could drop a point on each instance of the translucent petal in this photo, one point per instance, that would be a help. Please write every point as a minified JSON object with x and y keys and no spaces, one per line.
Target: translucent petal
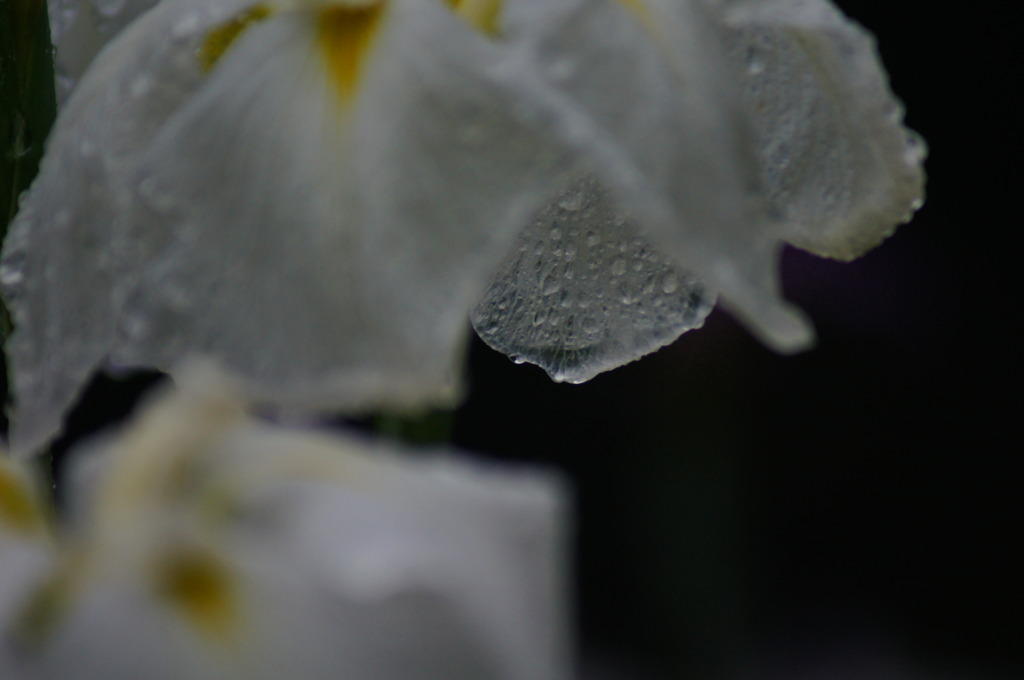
{"x":328,"y":248}
{"x":319,"y":555}
{"x":68,"y":260}
{"x":673,"y":144}
{"x":584,"y":292}
{"x":835,"y":157}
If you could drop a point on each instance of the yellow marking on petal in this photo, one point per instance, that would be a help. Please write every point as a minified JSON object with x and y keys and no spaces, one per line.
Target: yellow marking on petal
{"x":48,"y":602}
{"x":345,"y":35}
{"x":19,"y":508}
{"x":220,"y":39}
{"x":480,"y":14}
{"x":199,"y":586}
{"x":637,"y":8}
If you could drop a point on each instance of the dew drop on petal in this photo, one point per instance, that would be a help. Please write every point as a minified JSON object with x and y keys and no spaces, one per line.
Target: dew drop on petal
{"x":617,"y":298}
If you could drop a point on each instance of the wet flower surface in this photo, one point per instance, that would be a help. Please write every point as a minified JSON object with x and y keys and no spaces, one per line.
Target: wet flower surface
{"x":318,"y":193}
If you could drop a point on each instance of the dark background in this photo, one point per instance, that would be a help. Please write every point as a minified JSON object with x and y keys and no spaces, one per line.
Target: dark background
{"x":845,"y":514}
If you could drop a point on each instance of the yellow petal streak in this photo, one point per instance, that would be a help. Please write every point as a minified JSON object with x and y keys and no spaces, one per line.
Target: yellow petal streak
{"x":480,"y":14}
{"x":199,"y":587}
{"x":48,"y":602}
{"x":345,"y":35}
{"x":218,"y":40}
{"x":637,"y":8}
{"x":19,"y":509}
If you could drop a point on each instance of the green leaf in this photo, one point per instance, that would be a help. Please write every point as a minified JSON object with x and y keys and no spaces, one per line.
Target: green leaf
{"x":28,"y":103}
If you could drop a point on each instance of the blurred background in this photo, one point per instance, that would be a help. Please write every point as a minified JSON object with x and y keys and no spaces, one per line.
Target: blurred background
{"x":845,"y":514}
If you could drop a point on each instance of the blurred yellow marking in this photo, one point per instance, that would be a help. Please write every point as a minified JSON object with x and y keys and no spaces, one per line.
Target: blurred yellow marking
{"x":345,"y":35}
{"x":199,"y":586}
{"x":480,"y":14}
{"x":218,"y":40}
{"x":46,"y":605}
{"x":637,"y":8}
{"x":19,"y":510}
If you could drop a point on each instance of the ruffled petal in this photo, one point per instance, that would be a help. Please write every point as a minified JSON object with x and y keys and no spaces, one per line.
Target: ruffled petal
{"x":660,"y":114}
{"x":836,"y":159}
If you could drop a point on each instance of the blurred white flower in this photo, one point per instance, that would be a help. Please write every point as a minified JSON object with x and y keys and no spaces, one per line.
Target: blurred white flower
{"x":26,"y":548}
{"x":205,"y":544}
{"x":317,"y":193}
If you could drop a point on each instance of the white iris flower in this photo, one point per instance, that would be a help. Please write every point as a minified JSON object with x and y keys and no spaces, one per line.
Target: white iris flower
{"x":205,"y":544}
{"x":318,"y":192}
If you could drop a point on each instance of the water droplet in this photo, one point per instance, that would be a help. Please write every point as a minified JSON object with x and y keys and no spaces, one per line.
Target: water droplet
{"x":670,"y":283}
{"x":618,"y":266}
{"x":185,"y":26}
{"x":550,"y":285}
{"x":571,"y":202}
{"x":9,"y":276}
{"x":109,"y":8}
{"x":755,"y":62}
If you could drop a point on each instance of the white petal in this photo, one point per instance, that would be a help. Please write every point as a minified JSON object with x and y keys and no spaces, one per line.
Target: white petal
{"x":329,"y":256}
{"x":584,"y":292}
{"x":835,"y":157}
{"x":673,"y":145}
{"x":68,"y":260}
{"x":329,"y":252}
